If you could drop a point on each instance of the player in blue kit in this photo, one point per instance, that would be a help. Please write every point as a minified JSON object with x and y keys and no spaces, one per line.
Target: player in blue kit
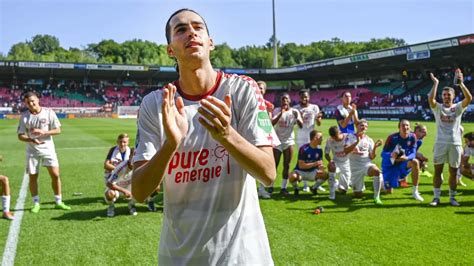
{"x":399,"y":158}
{"x":346,"y":114}
{"x":420,"y":133}
{"x":310,"y":163}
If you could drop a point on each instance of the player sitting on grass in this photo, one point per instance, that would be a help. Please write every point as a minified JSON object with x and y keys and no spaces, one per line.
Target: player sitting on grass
{"x":119,"y":182}
{"x":5,"y":196}
{"x":361,"y":162}
{"x":399,"y":159}
{"x":310,"y":163}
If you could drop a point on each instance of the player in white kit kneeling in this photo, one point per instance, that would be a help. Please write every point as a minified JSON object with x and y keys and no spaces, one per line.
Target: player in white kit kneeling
{"x":361,"y":162}
{"x":120,"y":183}
{"x":339,"y":163}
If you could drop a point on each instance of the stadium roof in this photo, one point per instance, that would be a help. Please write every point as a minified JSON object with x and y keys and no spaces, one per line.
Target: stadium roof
{"x":449,"y":52}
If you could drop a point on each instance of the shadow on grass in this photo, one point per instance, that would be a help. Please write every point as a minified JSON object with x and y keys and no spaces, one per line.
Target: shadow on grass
{"x":464,"y":213}
{"x":347,"y":203}
{"x":83,"y":200}
{"x":101,"y":214}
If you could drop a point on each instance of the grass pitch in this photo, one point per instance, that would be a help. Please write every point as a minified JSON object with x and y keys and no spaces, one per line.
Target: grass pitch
{"x":350,"y":231}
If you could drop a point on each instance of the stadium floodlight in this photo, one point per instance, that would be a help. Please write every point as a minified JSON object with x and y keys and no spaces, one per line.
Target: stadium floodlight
{"x":275,"y":54}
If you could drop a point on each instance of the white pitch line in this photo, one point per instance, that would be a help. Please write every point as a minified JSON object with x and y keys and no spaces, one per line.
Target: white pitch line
{"x":12,"y":240}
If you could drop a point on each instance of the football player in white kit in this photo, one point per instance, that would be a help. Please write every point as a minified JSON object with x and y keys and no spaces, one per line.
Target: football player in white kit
{"x":116,"y":154}
{"x":337,"y":144}
{"x":37,"y":126}
{"x":262,"y":85}
{"x":448,"y":144}
{"x":311,"y":116}
{"x":284,"y":119}
{"x":361,"y":162}
{"x":208,"y":137}
{"x":7,"y":214}
{"x":119,"y":183}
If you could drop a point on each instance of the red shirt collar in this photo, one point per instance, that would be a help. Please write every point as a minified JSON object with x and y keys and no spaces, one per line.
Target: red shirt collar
{"x":199,"y":97}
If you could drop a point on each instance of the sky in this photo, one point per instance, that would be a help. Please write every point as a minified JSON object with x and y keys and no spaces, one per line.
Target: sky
{"x":77,"y":23}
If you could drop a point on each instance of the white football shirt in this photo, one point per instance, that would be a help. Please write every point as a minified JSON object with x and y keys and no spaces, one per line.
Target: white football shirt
{"x":211,"y":210}
{"x":45,"y":120}
{"x":121,"y":176}
{"x":337,"y":149}
{"x":285,"y":125}
{"x":360,"y":154}
{"x":448,"y":121}
{"x":468,"y":151}
{"x":308,"y":114}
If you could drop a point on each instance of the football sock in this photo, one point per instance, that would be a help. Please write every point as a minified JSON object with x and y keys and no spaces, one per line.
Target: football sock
{"x":452,"y":193}
{"x":284,"y":183}
{"x":318,"y":183}
{"x":6,"y":203}
{"x":437,"y":192}
{"x":305,"y":183}
{"x":295,"y":184}
{"x":57,"y":199}
{"x":415,"y":189}
{"x":131,"y":203}
{"x":332,"y":181}
{"x":36,"y":199}
{"x":377,"y":185}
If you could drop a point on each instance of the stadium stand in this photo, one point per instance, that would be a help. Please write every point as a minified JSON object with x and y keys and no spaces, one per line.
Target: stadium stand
{"x":382,"y":82}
